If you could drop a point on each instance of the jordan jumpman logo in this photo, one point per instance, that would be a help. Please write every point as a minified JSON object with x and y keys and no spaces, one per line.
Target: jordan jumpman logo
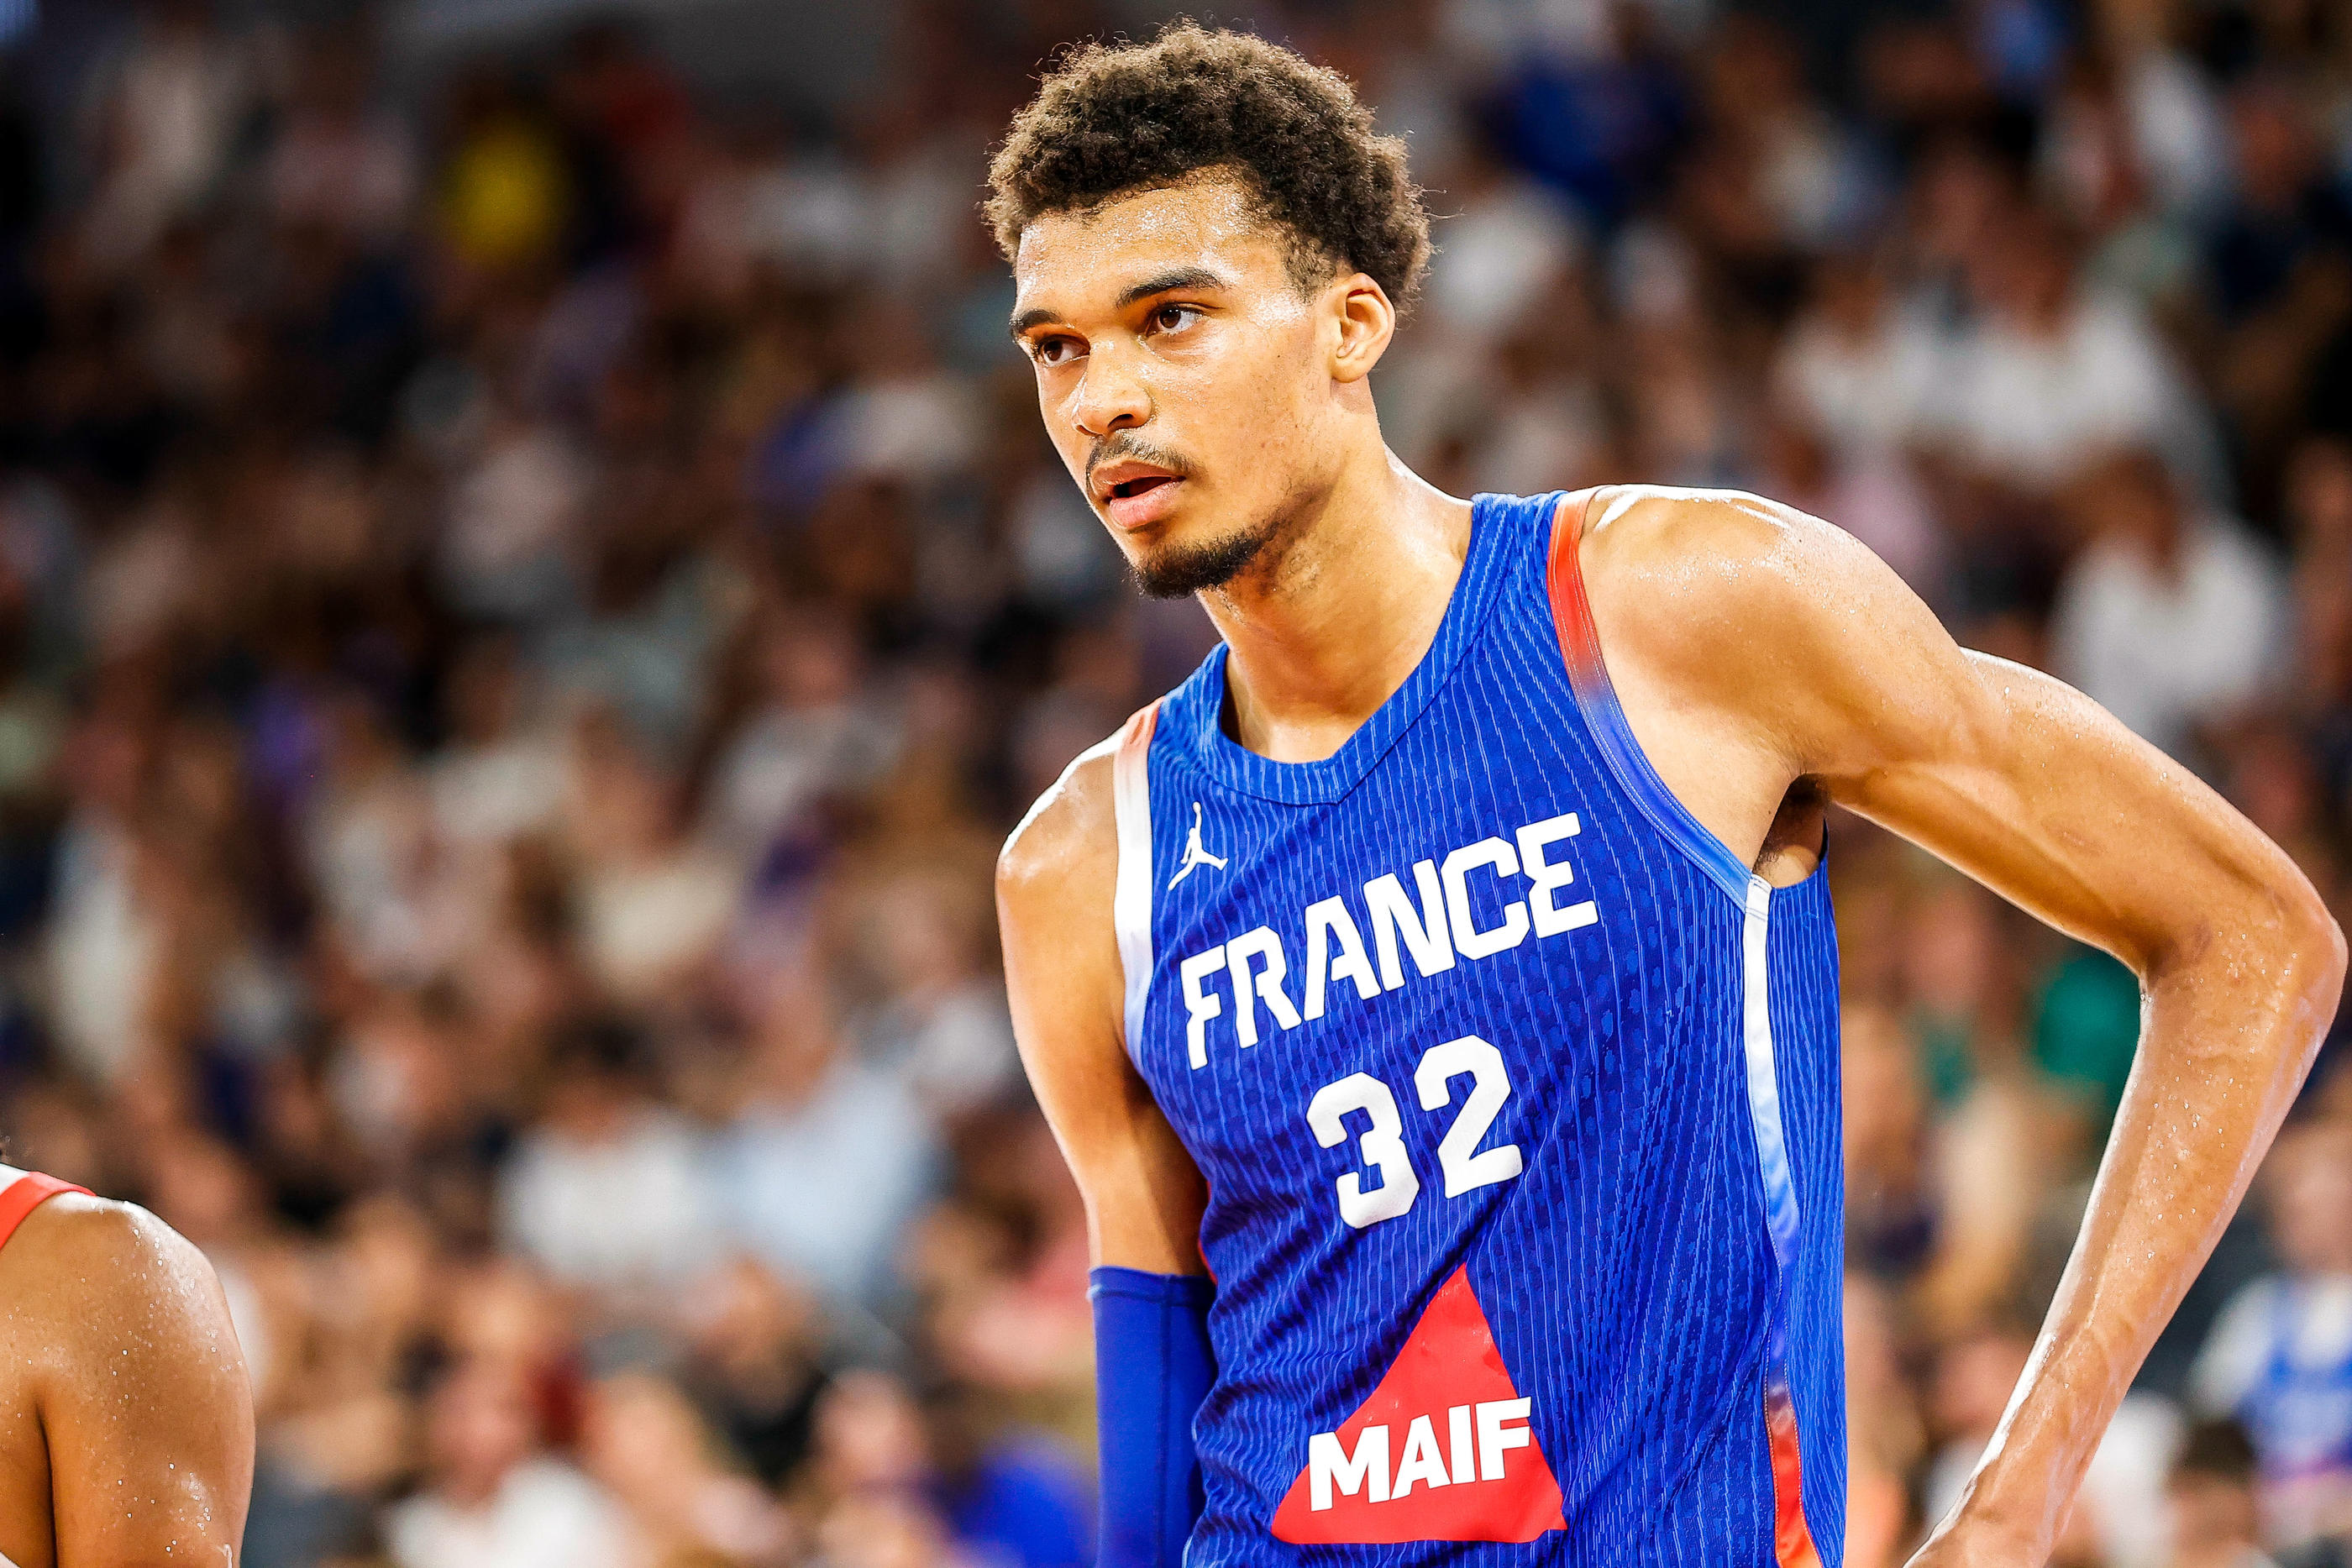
{"x":1195,"y":857}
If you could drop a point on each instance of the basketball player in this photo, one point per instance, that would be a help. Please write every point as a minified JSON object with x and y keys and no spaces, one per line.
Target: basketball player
{"x":1436,"y":995}
{"x":126,"y":1421}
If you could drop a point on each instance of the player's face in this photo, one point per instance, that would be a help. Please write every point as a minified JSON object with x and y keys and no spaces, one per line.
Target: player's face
{"x":1182,"y":373}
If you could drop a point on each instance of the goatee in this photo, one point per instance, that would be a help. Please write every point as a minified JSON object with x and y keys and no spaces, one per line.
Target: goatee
{"x":1178,"y":572}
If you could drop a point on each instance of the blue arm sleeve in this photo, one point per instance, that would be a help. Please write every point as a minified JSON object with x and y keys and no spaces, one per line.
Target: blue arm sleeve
{"x":1153,"y":1369}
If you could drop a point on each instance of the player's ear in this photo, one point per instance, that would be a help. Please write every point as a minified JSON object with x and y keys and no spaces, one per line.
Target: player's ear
{"x":1366,"y":321}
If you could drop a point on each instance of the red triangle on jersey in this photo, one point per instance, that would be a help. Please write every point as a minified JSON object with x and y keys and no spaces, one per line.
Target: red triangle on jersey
{"x":1456,"y":1451}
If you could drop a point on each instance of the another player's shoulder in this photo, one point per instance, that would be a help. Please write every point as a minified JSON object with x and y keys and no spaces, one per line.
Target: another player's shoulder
{"x":81,"y":1259}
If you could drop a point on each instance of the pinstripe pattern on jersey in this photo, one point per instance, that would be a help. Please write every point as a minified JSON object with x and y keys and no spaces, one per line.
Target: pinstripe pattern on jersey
{"x":1580,"y":648}
{"x":1629,"y":1273}
{"x":1589,"y":675}
{"x":1792,"y":1540}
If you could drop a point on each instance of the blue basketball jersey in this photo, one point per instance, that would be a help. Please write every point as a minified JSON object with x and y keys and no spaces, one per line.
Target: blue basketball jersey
{"x":1517,"y":1098}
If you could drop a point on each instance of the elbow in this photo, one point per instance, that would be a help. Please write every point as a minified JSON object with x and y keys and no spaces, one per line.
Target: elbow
{"x":2315,"y":950}
{"x":2319,"y":943}
{"x":2331,"y":965}
{"x":2281,"y":951}
{"x":2309,"y":984}
{"x":2322,"y":992}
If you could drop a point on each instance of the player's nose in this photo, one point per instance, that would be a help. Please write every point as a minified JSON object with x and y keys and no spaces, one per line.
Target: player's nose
{"x":1111,"y":396}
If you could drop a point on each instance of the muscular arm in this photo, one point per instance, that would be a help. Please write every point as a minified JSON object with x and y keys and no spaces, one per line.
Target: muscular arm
{"x":146,"y":1406}
{"x":1741,"y":619}
{"x":1143,"y":1195}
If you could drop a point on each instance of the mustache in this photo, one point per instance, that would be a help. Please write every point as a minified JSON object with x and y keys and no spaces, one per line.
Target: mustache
{"x":1122,"y":444}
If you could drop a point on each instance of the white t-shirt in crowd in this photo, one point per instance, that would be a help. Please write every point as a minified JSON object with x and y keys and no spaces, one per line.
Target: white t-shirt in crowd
{"x":632,"y":1210}
{"x":545,"y":1515}
{"x":2028,"y":408}
{"x":1868,"y":393}
{"x":2163,"y":651}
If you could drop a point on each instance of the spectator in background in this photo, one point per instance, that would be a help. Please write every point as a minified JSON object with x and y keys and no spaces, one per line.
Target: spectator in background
{"x":607,"y":1192}
{"x":2319,"y":512}
{"x":2001,"y":1137}
{"x":644,"y":1443}
{"x":1860,"y":368}
{"x":1020,"y":1501}
{"x":101,"y":943}
{"x":499,"y":778}
{"x":1890,"y":1221}
{"x":367,"y":842}
{"x":2168,"y":619}
{"x":826,"y":1156}
{"x":165,"y":116}
{"x":2211,"y":1494}
{"x":869,"y":1478}
{"x":2046,"y":372}
{"x":338,"y":1433}
{"x":1885,"y":1438}
{"x":2279,"y":261}
{"x":944,"y":1029}
{"x":2279,"y":1359}
{"x":2087,"y":1034}
{"x":757,"y":1365}
{"x":1973,"y":1377}
{"x":653,"y":901}
{"x":493,"y":537}
{"x":496,"y":1499}
{"x":340,"y":160}
{"x":817,"y":729}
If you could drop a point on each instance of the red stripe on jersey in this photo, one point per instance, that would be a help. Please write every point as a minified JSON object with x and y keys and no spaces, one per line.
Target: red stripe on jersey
{"x":1571,"y":613}
{"x":25,"y":1194}
{"x":1793,"y":1538}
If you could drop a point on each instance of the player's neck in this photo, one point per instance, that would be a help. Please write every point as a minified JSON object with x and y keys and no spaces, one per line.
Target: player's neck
{"x":1330,"y":628}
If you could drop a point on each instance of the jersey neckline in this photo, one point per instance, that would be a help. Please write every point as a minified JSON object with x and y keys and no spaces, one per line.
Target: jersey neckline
{"x":1236,"y":767}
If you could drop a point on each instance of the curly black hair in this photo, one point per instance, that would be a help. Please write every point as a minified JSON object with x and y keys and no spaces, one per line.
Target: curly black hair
{"x":1113,"y":119}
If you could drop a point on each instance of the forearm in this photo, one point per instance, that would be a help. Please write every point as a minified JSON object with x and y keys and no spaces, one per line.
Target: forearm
{"x":2228,"y":1035}
{"x":1153,"y":1367}
{"x":1843,"y":678}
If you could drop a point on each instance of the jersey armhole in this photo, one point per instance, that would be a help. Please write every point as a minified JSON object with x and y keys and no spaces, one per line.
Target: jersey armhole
{"x":1131,"y":903}
{"x":1596,"y":699}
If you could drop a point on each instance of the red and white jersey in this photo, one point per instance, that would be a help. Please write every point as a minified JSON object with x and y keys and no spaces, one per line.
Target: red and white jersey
{"x":21,"y":1192}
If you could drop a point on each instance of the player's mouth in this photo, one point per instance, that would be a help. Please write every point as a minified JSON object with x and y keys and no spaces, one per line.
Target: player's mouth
{"x":1135,"y":493}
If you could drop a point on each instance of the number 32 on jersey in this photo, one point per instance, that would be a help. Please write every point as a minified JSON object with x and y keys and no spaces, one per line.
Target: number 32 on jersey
{"x":1381,"y":1145}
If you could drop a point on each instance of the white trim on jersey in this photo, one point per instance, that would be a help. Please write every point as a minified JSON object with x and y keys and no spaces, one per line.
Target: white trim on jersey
{"x":1131,"y":903}
{"x":1763,"y":1076}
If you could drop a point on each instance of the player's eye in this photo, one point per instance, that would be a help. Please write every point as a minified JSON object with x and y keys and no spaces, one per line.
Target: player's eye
{"x":1059,"y":350}
{"x":1174,"y":318}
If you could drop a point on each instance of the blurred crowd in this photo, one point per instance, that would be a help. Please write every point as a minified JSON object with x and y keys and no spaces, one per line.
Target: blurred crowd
{"x":531,"y":591}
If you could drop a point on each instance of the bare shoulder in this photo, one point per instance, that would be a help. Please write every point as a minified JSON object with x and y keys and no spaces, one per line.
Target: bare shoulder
{"x":1696,"y":594}
{"x":1067,"y":848}
{"x":1712,"y":578}
{"x":1054,"y":886}
{"x":1765,"y":622}
{"x":142,"y":1390}
{"x":113,"y":1270}
{"x":75,"y":1229}
{"x":1717,"y":551}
